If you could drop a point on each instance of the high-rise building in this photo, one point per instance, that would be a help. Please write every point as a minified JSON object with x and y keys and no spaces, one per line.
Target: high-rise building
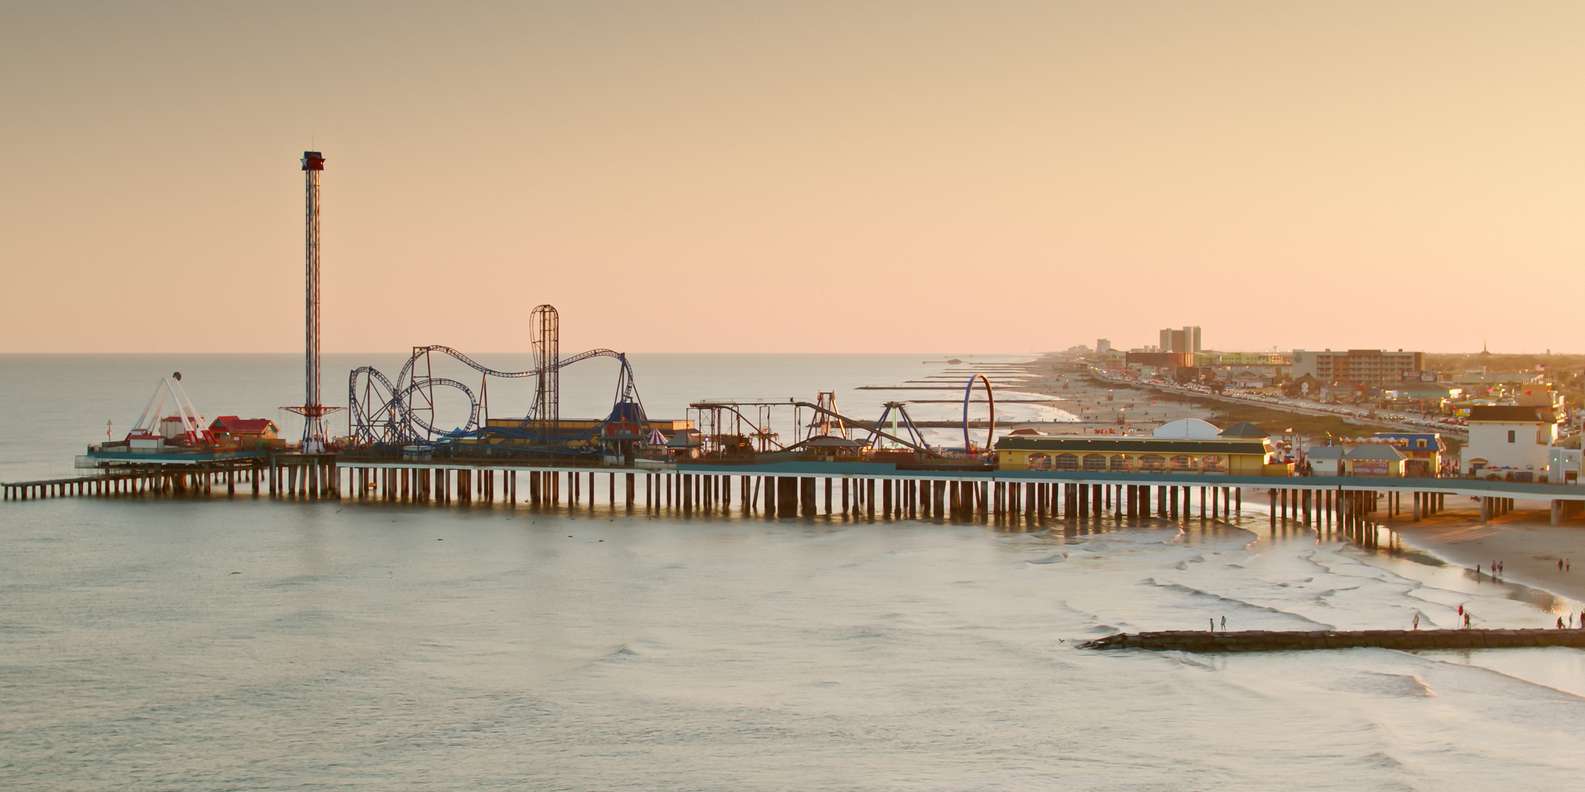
{"x":1185,"y":339}
{"x":1103,"y":346}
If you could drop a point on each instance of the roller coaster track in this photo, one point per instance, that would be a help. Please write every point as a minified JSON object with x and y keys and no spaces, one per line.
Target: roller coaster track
{"x":381,"y":411}
{"x":914,"y":439}
{"x":990,"y":400}
{"x":876,"y":433}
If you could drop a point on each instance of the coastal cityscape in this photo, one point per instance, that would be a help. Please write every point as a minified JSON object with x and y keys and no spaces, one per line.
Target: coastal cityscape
{"x":1507,"y":417}
{"x":700,"y":397}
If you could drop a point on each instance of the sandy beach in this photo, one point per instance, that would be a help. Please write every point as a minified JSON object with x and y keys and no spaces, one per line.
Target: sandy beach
{"x":1098,"y":407}
{"x":1524,"y":541}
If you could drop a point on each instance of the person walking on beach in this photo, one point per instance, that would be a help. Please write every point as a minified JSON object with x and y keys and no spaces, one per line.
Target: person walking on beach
{"x":1416,"y":620}
{"x":1466,"y":620}
{"x":1213,"y":624}
{"x":1560,"y":622}
{"x":1224,"y":623}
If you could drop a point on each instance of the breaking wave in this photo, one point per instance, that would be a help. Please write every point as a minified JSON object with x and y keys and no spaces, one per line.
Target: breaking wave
{"x":1209,"y":595}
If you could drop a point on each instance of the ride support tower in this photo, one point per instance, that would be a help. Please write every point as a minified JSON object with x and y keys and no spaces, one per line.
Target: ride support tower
{"x":312,"y":409}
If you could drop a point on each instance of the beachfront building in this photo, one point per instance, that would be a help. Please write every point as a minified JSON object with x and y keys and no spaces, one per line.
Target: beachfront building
{"x":1428,"y":397}
{"x":1326,"y":460}
{"x":1152,"y":359}
{"x":1187,"y":429}
{"x":1564,"y":462}
{"x":1540,"y":394}
{"x":246,"y":432}
{"x":1369,"y":367}
{"x":1269,"y":360}
{"x":1246,"y":430}
{"x":1423,"y":451}
{"x":1186,"y":446}
{"x":1510,"y":441}
{"x":1246,"y":369}
{"x":1373,"y":459}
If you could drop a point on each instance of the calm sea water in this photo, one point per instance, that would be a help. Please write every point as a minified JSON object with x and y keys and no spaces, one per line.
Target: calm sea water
{"x":262,"y":645}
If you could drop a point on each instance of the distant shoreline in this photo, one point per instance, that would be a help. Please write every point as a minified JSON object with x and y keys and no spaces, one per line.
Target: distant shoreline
{"x":1100,"y":406}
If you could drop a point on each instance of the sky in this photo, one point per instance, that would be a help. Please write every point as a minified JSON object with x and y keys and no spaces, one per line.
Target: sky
{"x":797,"y":176}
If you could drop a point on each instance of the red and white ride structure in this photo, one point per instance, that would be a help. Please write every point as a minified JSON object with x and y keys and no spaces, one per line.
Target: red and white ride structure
{"x":169,"y":417}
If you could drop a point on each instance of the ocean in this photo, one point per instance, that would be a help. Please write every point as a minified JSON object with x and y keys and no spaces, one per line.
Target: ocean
{"x":254,"y":644}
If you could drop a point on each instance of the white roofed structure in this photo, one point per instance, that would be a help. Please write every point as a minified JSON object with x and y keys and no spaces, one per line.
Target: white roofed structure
{"x":1187,"y":429}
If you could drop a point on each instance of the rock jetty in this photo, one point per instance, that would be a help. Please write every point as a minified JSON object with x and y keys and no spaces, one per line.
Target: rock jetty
{"x":1288,"y":641}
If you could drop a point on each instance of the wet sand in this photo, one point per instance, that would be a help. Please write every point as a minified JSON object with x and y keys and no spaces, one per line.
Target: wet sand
{"x":1524,"y":540}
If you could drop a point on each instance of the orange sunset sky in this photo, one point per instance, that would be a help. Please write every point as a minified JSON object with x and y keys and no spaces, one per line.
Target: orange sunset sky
{"x":772,"y":177}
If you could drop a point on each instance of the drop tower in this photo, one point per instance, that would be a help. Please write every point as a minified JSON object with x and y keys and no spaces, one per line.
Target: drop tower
{"x":312,"y":409}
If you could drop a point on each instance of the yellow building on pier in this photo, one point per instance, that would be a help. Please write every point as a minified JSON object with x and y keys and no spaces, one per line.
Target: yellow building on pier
{"x":1240,"y":456}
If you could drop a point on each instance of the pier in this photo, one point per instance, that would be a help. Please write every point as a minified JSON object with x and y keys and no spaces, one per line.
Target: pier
{"x":1204,"y":641}
{"x":1351,"y":507}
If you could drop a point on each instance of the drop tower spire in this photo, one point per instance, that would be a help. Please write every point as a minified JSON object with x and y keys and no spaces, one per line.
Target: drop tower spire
{"x":312,"y":410}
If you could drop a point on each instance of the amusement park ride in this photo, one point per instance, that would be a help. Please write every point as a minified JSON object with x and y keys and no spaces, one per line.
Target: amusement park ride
{"x":312,"y":410}
{"x":743,"y":428}
{"x":181,"y":424}
{"x":401,"y":411}
{"x":399,"y":415}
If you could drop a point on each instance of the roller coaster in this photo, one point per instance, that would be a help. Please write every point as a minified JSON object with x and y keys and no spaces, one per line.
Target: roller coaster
{"x":401,"y":411}
{"x":729,"y":426}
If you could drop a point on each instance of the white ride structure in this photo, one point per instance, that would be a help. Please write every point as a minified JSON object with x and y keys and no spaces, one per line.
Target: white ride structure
{"x":169,"y":394}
